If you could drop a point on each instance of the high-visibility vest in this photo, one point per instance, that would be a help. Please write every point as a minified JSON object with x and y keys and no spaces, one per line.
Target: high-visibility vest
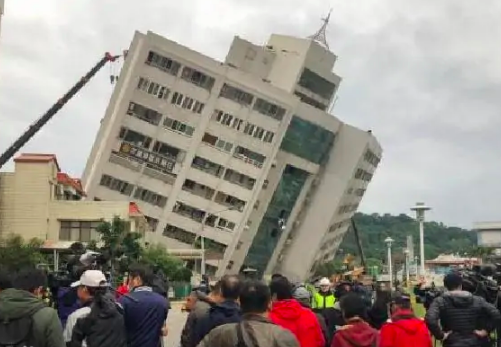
{"x":323,"y":301}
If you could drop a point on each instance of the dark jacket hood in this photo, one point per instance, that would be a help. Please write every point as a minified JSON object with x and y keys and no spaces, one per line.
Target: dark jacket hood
{"x":358,"y":334}
{"x":459,"y":298}
{"x":16,"y":303}
{"x":107,"y":308}
{"x":225,"y":309}
{"x":287,"y":309}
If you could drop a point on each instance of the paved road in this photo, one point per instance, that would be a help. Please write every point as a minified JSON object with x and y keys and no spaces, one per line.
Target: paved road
{"x":175,"y":323}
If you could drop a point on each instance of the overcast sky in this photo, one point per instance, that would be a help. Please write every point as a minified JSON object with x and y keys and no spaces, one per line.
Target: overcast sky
{"x":424,"y":75}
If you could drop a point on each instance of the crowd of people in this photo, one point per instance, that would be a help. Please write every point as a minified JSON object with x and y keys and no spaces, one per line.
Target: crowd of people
{"x":135,"y":319}
{"x":253,"y":314}
{"x":238,"y":312}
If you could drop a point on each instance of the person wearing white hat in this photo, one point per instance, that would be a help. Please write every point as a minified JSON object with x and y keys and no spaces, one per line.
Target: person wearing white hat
{"x":324,"y":298}
{"x":99,"y":322}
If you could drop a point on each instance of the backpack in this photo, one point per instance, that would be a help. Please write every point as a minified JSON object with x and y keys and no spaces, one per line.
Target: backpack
{"x":17,"y":332}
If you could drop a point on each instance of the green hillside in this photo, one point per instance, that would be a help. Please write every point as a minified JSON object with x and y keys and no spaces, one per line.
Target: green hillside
{"x":374,"y":228}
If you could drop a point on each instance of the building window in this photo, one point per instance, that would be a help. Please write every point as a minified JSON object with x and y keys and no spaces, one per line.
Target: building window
{"x":268,"y":137}
{"x":249,"y":129}
{"x":225,"y":224}
{"x":269,"y":109}
{"x":310,"y":101}
{"x":224,"y":145}
{"x":187,"y":103}
{"x":179,"y":234}
{"x":360,"y":192}
{"x":178,"y":126}
{"x":177,"y":99}
{"x":153,"y":88}
{"x":207,"y":166}
{"x":249,"y":156}
{"x":117,"y":185}
{"x":198,"y":189}
{"x":370,"y":157}
{"x":166,"y":150}
{"x":317,"y":84}
{"x":197,"y":78}
{"x":81,"y":231}
{"x":236,"y":94}
{"x":239,"y":179}
{"x":150,"y":197}
{"x":163,"y":63}
{"x":259,"y":133}
{"x":135,"y":138}
{"x":188,"y":211}
{"x":363,"y":175}
{"x":144,"y":113}
{"x":229,"y":201}
{"x":308,"y":141}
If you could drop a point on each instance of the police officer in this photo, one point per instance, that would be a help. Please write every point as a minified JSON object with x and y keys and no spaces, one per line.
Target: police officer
{"x":324,"y":298}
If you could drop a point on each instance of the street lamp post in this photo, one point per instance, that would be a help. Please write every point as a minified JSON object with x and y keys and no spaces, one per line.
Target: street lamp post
{"x":420,"y":208}
{"x":389,"y":242}
{"x":407,"y":275}
{"x":202,"y":237}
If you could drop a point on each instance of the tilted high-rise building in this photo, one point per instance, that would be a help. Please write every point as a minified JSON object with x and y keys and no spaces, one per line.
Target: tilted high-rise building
{"x":241,"y":152}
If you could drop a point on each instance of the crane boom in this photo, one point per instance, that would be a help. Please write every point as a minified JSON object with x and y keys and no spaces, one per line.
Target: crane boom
{"x":359,"y":243}
{"x":38,"y":124}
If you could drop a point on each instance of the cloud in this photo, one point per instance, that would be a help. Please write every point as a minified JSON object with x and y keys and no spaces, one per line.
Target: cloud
{"x":423,"y":75}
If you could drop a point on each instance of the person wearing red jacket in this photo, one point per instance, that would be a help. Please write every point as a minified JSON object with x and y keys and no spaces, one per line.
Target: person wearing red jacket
{"x":356,"y":332}
{"x":123,"y":288}
{"x":404,"y":329}
{"x":289,"y":314}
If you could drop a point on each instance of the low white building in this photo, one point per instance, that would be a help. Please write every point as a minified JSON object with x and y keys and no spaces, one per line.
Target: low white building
{"x":488,"y":234}
{"x":243,"y":152}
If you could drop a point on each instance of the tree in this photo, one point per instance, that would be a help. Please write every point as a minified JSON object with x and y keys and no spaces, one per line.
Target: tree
{"x":172,"y":267}
{"x":15,"y":253}
{"x":329,"y":269}
{"x":119,"y":244}
{"x":374,"y":228}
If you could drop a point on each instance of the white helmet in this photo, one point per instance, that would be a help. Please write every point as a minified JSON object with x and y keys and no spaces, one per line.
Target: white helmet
{"x":324,"y":282}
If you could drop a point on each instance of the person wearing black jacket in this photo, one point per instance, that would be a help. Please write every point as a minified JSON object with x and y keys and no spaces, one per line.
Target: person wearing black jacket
{"x":227,"y":311}
{"x":460,"y":319}
{"x":99,"y":322}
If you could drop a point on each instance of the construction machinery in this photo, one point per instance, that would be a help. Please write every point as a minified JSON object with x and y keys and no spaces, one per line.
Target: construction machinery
{"x":38,"y":124}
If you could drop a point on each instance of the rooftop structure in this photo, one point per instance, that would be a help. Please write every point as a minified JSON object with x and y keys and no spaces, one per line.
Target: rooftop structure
{"x":241,"y":152}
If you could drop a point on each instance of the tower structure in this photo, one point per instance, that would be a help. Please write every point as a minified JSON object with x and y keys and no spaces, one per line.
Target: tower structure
{"x":321,"y":35}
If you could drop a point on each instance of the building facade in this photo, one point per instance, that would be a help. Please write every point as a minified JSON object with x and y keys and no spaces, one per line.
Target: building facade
{"x":37,"y":200}
{"x":242,"y":152}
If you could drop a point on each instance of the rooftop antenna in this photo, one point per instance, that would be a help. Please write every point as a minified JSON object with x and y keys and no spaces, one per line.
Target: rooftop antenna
{"x":320,"y":35}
